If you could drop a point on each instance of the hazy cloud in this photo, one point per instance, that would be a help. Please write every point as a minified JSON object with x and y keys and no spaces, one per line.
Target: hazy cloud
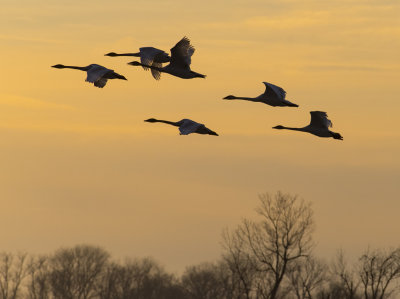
{"x":29,"y":39}
{"x":334,"y":67}
{"x":30,"y":103}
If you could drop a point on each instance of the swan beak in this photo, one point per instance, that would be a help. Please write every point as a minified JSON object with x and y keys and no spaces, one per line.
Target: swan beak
{"x":135,"y":63}
{"x":57,"y":66}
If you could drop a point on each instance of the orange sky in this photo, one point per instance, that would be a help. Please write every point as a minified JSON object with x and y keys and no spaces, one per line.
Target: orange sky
{"x":78,"y":164}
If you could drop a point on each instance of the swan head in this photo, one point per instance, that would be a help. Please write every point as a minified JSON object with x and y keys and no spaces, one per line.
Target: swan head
{"x":58,"y":66}
{"x":151,"y":120}
{"x":278,"y":127}
{"x":230,"y":97}
{"x":337,"y":136}
{"x":137,"y":63}
{"x":111,"y":54}
{"x":164,"y":58}
{"x":213,"y":133}
{"x":197,"y":75}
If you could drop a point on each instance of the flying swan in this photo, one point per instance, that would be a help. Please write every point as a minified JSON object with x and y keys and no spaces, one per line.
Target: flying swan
{"x":179,"y":66}
{"x":318,"y":126}
{"x":96,"y":74}
{"x":186,"y":126}
{"x":273,"y":96}
{"x":148,"y":56}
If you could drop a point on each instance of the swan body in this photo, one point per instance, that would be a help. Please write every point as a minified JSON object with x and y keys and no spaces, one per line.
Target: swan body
{"x":96,"y":74}
{"x":179,"y":66}
{"x":319,"y":126}
{"x":273,"y":96}
{"x":148,"y":56}
{"x":186,"y":126}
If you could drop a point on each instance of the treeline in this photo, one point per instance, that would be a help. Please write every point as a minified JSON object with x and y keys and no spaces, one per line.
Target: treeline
{"x":269,"y":258}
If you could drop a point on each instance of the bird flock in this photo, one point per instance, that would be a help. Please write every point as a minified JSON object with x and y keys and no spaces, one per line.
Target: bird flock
{"x":179,"y":66}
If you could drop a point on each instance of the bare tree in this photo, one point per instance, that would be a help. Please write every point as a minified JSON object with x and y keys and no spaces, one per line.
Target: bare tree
{"x":228,"y":281}
{"x":139,"y":279}
{"x":281,"y":237}
{"x":108,"y":284}
{"x":12,"y":272}
{"x":208,"y":281}
{"x":378,"y":269}
{"x":343,"y":279}
{"x":306,"y":276}
{"x":74,"y":271}
{"x":39,"y":284}
{"x":241,"y":264}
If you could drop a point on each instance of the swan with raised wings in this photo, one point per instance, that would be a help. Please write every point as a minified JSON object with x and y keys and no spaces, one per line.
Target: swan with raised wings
{"x":148,"y":56}
{"x":181,"y":58}
{"x":273,"y":96}
{"x":96,"y":74}
{"x":186,"y":126}
{"x":318,"y":126}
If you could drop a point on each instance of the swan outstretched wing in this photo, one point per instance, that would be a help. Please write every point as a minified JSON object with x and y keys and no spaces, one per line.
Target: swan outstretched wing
{"x":320,"y":119}
{"x":274,"y":91}
{"x":149,"y":55}
{"x":96,"y":72}
{"x":188,"y":126}
{"x":181,"y":54}
{"x":100,"y":83}
{"x":156,"y":74}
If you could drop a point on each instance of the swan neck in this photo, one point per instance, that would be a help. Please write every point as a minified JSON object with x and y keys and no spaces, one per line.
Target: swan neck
{"x":167,"y":122}
{"x":152,"y":67}
{"x":294,"y":129}
{"x":244,"y":98}
{"x":127,"y":54}
{"x":82,"y":68}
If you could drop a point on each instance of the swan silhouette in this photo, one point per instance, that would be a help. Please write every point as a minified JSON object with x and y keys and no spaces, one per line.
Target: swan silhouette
{"x":179,"y":66}
{"x":148,"y":56}
{"x":273,"y":96}
{"x":186,"y":126}
{"x":318,"y":126}
{"x":96,"y":74}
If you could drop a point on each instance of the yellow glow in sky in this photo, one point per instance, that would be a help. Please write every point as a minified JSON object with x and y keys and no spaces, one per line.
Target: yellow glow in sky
{"x":79,"y":165}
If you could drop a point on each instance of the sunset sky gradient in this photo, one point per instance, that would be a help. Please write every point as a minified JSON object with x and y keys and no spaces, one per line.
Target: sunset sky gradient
{"x":79,"y":165}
